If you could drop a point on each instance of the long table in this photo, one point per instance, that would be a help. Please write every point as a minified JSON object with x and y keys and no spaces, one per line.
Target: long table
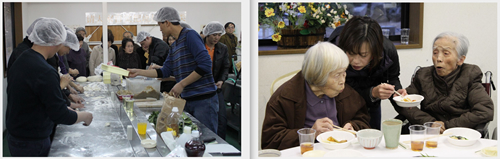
{"x":444,"y":149}
{"x":106,"y":136}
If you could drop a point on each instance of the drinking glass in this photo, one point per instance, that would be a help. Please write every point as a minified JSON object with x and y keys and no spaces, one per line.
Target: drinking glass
{"x":405,"y":36}
{"x":306,"y":139}
{"x":142,"y":124}
{"x":386,"y":32}
{"x":432,"y":129}
{"x":417,"y":133}
{"x":392,"y":130}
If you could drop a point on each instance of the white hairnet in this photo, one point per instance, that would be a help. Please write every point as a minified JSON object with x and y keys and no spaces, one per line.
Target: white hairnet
{"x":167,"y":13}
{"x":48,"y":32}
{"x":71,"y":40}
{"x":213,"y":27}
{"x":30,"y":28}
{"x":141,"y":36}
{"x":185,"y":25}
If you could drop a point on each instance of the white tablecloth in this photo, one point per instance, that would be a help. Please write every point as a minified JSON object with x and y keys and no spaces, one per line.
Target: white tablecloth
{"x":444,"y":149}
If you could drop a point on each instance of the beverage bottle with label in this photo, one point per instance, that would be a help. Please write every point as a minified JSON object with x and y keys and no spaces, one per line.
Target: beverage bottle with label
{"x":173,"y":121}
{"x":195,"y":147}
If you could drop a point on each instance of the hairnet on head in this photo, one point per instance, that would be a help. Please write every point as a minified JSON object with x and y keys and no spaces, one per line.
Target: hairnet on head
{"x":141,"y":36}
{"x":48,"y":32}
{"x":213,"y":27}
{"x":167,"y":13}
{"x":185,"y":25}
{"x":30,"y":28}
{"x":80,"y":29}
{"x":71,"y":40}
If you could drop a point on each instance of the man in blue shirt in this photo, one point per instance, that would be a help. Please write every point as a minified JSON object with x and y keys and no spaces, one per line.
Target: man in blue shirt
{"x":34,"y":99}
{"x":188,"y":61}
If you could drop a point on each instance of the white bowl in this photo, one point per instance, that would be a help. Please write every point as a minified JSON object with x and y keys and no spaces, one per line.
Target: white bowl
{"x":471,"y":135}
{"x":338,"y":135}
{"x":314,"y":153}
{"x":369,"y":138}
{"x":344,"y":153}
{"x":269,"y":153}
{"x":416,"y":97}
{"x":489,"y":151}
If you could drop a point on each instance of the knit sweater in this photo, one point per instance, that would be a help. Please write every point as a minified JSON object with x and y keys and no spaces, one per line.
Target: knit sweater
{"x":188,"y":54}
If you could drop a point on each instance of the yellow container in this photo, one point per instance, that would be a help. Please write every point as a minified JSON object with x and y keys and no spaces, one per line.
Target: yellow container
{"x":141,"y":128}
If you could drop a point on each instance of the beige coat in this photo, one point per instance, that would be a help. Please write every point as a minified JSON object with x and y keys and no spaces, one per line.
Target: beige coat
{"x":96,"y":57}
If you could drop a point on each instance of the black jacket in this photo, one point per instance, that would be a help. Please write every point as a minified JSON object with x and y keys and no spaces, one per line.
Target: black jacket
{"x":158,"y":51}
{"x":364,"y":80}
{"x":21,"y":47}
{"x":125,"y":60}
{"x":220,"y":64}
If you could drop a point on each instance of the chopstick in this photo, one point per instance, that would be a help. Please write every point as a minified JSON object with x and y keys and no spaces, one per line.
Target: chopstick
{"x":407,"y":142}
{"x":402,"y":97}
{"x":338,"y":127}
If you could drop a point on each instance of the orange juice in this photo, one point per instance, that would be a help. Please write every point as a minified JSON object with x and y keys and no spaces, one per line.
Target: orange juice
{"x":306,"y":146}
{"x":417,"y":145}
{"x":141,"y":128}
{"x":431,"y":144}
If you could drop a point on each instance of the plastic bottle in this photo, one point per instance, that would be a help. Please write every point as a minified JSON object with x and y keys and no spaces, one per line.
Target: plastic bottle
{"x":195,"y":147}
{"x":173,"y":121}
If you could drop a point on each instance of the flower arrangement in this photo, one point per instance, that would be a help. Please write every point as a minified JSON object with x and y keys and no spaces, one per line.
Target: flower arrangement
{"x":308,"y":17}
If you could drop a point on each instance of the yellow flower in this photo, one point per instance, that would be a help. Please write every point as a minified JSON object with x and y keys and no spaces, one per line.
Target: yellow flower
{"x":276,"y":37}
{"x":313,"y":9}
{"x":302,"y":9}
{"x":281,"y":24}
{"x":269,"y":12}
{"x":337,"y":23}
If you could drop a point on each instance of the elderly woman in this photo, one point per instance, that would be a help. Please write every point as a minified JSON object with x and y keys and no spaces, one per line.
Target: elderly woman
{"x":315,"y":97}
{"x":452,"y":90}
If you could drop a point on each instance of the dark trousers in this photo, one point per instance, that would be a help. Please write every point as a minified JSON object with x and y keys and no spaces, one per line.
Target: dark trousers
{"x":375,"y":117}
{"x":22,"y":148}
{"x":221,"y":130}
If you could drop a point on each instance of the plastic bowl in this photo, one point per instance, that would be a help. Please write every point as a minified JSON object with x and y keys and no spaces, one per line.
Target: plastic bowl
{"x":369,"y":138}
{"x":471,"y":135}
{"x":269,"y":153}
{"x":338,"y":135}
{"x":416,"y":97}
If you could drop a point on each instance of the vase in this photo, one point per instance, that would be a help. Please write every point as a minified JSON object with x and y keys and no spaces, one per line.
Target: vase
{"x":292,"y":39}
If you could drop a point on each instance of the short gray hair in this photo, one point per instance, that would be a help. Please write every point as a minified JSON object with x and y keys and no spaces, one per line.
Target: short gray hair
{"x":320,"y":60}
{"x":128,"y":32}
{"x":461,"y":45}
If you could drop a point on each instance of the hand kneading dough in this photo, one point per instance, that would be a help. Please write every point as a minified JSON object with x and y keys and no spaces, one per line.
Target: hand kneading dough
{"x":81,"y":79}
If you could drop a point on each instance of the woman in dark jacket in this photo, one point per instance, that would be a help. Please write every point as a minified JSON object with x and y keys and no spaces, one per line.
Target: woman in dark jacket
{"x":127,"y":56}
{"x":316,"y":97}
{"x":373,"y":63}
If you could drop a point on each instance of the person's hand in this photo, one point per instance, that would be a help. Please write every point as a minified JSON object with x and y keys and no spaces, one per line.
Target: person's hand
{"x":76,"y":105}
{"x":133,"y":72}
{"x":75,"y":98}
{"x":177,"y":89}
{"x":73,"y":72}
{"x":383,"y":91}
{"x":87,"y":118}
{"x":154,"y":66}
{"x":65,"y":79}
{"x":322,"y":125}
{"x":348,"y":126}
{"x":401,"y":91}
{"x":442,"y":126}
{"x":219,"y":84}
{"x":73,"y":91}
{"x":79,"y":89}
